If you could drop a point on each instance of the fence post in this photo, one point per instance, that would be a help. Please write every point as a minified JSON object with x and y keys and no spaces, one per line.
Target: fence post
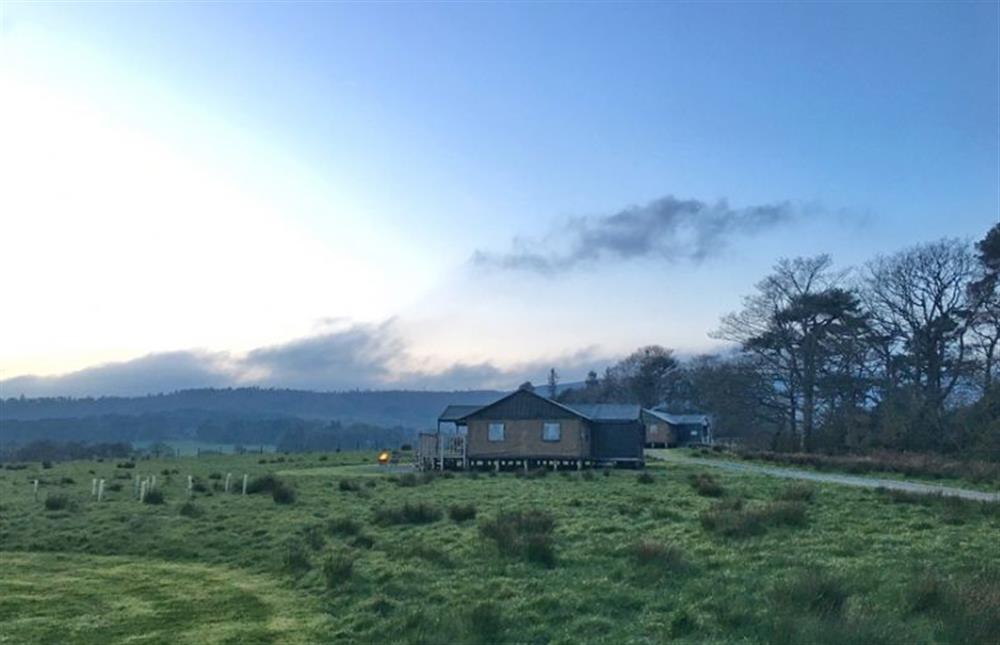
{"x":229,"y":477}
{"x":152,"y":483}
{"x":190,"y":486}
{"x":93,"y":487}
{"x":100,"y":490}
{"x":244,"y":483}
{"x":36,"y":490}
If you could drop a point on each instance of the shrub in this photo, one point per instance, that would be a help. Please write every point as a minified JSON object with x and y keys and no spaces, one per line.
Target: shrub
{"x":926,"y":593}
{"x":46,"y":464}
{"x":420,"y":513}
{"x":706,"y":485}
{"x":200,"y":487}
{"x":190,"y":509}
{"x":342,"y":526}
{"x":165,"y":472}
{"x":66,"y":480}
{"x":659,"y":558}
{"x":57,"y":502}
{"x":527,"y":534}
{"x":125,"y":464}
{"x":115,"y":486}
{"x":215,"y":475}
{"x":645,"y":478}
{"x":797,"y":493}
{"x":283,"y":494}
{"x":322,"y":458}
{"x":348,"y":485}
{"x":263,"y":484}
{"x":587,"y":475}
{"x":154,"y":496}
{"x":363,"y":541}
{"x":337,"y":570}
{"x":295,"y":558}
{"x":462,"y":512}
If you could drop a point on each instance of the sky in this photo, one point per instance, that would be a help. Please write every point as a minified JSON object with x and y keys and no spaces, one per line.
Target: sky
{"x":330,"y":196}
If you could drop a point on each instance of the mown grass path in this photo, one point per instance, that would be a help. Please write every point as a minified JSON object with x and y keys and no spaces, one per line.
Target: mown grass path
{"x":828,"y":478}
{"x":61,"y":597}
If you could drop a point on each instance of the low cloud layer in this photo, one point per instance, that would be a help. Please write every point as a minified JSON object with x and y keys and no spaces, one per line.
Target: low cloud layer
{"x":669,"y":229}
{"x":361,"y":356}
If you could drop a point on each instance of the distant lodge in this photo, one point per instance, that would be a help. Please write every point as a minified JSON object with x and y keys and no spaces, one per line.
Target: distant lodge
{"x":526,"y":430}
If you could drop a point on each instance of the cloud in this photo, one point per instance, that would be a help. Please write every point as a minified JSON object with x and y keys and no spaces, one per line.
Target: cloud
{"x":668,"y":229}
{"x":358,"y":356}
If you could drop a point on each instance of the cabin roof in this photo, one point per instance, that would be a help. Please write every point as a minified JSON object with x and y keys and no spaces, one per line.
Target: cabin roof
{"x":533,"y":399}
{"x":678,"y":419}
{"x":454,"y":413}
{"x":607,"y":411}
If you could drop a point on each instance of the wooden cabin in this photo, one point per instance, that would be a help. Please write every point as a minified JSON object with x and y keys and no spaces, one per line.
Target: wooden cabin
{"x":665,"y":430}
{"x":527,"y":430}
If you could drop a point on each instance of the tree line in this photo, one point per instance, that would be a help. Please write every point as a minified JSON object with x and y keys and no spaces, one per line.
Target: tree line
{"x":900,"y":353}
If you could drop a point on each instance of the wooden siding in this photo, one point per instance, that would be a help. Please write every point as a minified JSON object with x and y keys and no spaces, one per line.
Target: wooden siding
{"x":523,"y":438}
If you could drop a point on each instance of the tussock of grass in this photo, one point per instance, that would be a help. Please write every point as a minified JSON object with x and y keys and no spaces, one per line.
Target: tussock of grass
{"x":645,"y":478}
{"x":408,"y":513}
{"x":815,"y":591}
{"x":337,"y":570}
{"x":484,"y":623}
{"x":190,"y":509}
{"x":527,"y":534}
{"x":731,"y":519}
{"x":798,"y":492}
{"x":348,"y":485}
{"x":658,"y":558}
{"x":706,"y":485}
{"x":154,"y":497}
{"x":462,"y":512}
{"x":343,"y":526}
{"x":58,"y":502}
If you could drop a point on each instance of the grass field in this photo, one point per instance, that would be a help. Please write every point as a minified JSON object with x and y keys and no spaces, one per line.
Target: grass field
{"x":361,"y":555}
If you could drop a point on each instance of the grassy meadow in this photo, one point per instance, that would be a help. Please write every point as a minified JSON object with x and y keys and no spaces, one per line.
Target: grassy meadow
{"x":329,"y":548}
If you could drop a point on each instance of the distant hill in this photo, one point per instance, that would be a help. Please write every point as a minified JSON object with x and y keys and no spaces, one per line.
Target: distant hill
{"x":407,"y":408}
{"x":241,"y":415}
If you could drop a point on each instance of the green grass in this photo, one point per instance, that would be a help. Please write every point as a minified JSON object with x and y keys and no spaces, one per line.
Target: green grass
{"x":632,"y":561}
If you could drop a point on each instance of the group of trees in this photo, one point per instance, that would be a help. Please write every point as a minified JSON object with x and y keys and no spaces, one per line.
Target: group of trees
{"x":901,"y":353}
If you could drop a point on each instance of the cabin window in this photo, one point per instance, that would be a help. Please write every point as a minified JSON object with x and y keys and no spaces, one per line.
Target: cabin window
{"x":551,"y":431}
{"x":495,"y":432}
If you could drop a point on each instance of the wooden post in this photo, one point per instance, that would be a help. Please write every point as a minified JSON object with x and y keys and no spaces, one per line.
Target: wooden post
{"x":135,"y":486}
{"x":36,"y":490}
{"x":525,"y":464}
{"x":142,"y":490}
{"x":555,"y":466}
{"x":190,"y":486}
{"x":152,"y":483}
{"x":496,"y":465}
{"x":229,"y":477}
{"x":579,"y":464}
{"x":93,"y":487}
{"x":244,"y":483}
{"x":100,"y":490}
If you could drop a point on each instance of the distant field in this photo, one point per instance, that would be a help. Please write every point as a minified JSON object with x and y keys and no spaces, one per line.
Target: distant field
{"x":192,"y":448}
{"x":362,"y":555}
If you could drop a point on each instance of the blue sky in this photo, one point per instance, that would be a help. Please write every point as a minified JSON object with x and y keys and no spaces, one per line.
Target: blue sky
{"x":211,"y":179}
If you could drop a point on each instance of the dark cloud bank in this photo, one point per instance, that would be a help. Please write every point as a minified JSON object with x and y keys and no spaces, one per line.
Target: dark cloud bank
{"x":669,"y":229}
{"x":358,"y":357}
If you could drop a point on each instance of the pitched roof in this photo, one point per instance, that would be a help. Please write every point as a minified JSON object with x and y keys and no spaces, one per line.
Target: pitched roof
{"x":455,"y":412}
{"x":678,"y":419}
{"x":531,"y":393}
{"x":607,"y":411}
